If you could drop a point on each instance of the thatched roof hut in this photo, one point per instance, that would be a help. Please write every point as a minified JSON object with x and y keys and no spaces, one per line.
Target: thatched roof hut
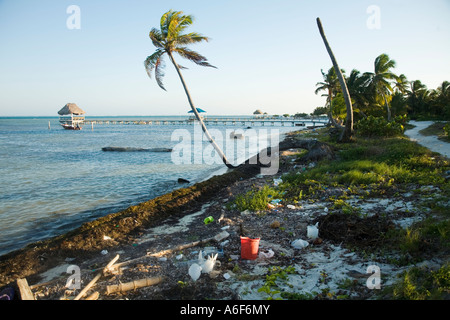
{"x":71,"y":108}
{"x":258,"y":112}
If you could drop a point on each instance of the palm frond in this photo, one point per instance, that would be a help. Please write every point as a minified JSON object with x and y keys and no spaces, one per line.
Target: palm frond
{"x":193,"y":56}
{"x":150,"y":61}
{"x":159,"y":72}
{"x":157,"y":38}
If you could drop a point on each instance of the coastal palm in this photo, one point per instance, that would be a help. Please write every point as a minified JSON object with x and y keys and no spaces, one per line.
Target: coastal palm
{"x":170,"y":39}
{"x":381,"y":77}
{"x":330,"y":85}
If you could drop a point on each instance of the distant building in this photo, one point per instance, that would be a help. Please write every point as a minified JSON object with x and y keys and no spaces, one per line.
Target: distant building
{"x":71,"y":116}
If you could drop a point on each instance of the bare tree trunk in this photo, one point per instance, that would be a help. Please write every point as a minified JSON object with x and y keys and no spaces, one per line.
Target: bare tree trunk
{"x":194,"y":109}
{"x":348,"y":130}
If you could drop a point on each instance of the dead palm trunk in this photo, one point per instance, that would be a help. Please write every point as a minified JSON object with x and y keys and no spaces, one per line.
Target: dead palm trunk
{"x":348,"y":130}
{"x":197,"y":115}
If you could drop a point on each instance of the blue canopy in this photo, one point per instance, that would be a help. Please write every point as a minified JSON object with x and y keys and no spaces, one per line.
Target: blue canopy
{"x":198,"y":110}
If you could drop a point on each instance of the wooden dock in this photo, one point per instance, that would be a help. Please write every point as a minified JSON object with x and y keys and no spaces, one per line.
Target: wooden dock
{"x":223,"y":122}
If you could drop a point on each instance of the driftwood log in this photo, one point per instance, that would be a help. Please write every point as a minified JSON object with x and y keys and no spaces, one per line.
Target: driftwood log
{"x":133,"y":285}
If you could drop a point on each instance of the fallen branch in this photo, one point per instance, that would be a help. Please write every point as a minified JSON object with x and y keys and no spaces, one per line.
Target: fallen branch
{"x":218,"y":237}
{"x":25,"y":291}
{"x":96,"y":278}
{"x":133,"y":285}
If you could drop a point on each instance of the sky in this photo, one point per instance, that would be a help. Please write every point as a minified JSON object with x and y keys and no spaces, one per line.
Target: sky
{"x":268,"y":54}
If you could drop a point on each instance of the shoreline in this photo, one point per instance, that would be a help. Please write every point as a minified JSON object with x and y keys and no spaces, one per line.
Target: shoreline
{"x":86,"y":241}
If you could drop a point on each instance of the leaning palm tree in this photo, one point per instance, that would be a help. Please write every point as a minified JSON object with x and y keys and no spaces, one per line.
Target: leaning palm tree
{"x":347,"y":133}
{"x":381,"y":77}
{"x":170,"y":39}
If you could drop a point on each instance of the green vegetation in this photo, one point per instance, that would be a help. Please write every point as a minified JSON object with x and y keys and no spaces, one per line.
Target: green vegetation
{"x":422,"y":284}
{"x":382,"y":95}
{"x":256,"y":199}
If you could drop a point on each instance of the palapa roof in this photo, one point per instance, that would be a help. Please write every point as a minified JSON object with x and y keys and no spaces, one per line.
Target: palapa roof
{"x":258,"y":112}
{"x":71,"y":108}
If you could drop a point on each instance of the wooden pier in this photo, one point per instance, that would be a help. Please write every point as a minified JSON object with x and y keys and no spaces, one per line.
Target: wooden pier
{"x":217,"y":121}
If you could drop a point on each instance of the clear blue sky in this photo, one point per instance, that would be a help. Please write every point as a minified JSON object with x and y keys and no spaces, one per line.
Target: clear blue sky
{"x":268,"y":53}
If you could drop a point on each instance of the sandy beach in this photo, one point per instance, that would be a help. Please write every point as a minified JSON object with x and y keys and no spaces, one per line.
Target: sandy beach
{"x":162,"y":238}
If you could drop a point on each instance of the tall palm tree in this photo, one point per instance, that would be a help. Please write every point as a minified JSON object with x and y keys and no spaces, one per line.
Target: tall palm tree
{"x":348,"y":131}
{"x":381,"y":77}
{"x":357,"y":87}
{"x":170,"y":39}
{"x":330,"y":84}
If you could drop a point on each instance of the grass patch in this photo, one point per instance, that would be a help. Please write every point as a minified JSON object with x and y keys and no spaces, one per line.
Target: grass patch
{"x":422,"y":284}
{"x":256,"y":199}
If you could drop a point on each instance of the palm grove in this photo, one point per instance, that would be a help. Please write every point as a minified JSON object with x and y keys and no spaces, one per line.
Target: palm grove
{"x":380,"y":94}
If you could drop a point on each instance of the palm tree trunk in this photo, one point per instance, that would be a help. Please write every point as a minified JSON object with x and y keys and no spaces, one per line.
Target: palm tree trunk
{"x":387,"y":108}
{"x":348,"y":130}
{"x":197,"y":115}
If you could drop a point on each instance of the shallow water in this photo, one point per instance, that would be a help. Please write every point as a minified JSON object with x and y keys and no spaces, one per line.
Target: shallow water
{"x":53,"y":180}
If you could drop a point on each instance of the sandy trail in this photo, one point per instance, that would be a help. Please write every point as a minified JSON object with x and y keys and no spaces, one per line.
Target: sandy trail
{"x":431,"y":142}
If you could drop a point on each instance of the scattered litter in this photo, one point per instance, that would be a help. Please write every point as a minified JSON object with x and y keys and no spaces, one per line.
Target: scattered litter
{"x":195,"y":271}
{"x":208,"y":220}
{"x":299,"y":244}
{"x":179,"y":257}
{"x":106,"y":238}
{"x":226,"y":227}
{"x":325,"y":209}
{"x":162,"y":259}
{"x":290,"y":206}
{"x":223,"y":244}
{"x":104,"y":252}
{"x":313,"y":231}
{"x":276,"y":182}
{"x":226,"y":276}
{"x":266,"y":255}
{"x":208,"y":265}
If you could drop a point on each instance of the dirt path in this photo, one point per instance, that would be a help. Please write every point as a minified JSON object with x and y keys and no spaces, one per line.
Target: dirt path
{"x":431,"y":142}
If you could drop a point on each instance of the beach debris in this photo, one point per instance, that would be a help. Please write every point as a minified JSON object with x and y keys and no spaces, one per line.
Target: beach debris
{"x":180,"y":256}
{"x":181,"y":180}
{"x":290,"y":206}
{"x":208,"y":220}
{"x":299,"y":244}
{"x":226,"y":276}
{"x":24,"y":289}
{"x":7,"y":293}
{"x":104,"y":252}
{"x":266,"y":255}
{"x":312,"y":232}
{"x":208,"y":265}
{"x":195,"y":271}
{"x":133,"y":285}
{"x":276,"y":182}
{"x":106,"y":238}
{"x":93,"y":296}
{"x":105,"y":270}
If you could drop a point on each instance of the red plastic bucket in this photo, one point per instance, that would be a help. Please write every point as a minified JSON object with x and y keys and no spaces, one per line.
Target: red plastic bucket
{"x":249,"y":248}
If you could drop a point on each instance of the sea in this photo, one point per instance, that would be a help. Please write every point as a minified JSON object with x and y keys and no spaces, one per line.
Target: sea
{"x":53,"y":180}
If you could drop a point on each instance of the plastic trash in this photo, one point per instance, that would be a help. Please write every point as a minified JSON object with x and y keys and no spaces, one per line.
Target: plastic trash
{"x":249,"y":248}
{"x":275,"y":201}
{"x":299,"y":244}
{"x":290,"y":206}
{"x":195,"y":271}
{"x":276,"y":182}
{"x":312,"y":232}
{"x":208,"y":265}
{"x":266,"y":255}
{"x":208,"y":220}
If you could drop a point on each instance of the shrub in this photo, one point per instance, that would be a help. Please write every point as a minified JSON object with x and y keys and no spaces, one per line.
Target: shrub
{"x":380,"y":127}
